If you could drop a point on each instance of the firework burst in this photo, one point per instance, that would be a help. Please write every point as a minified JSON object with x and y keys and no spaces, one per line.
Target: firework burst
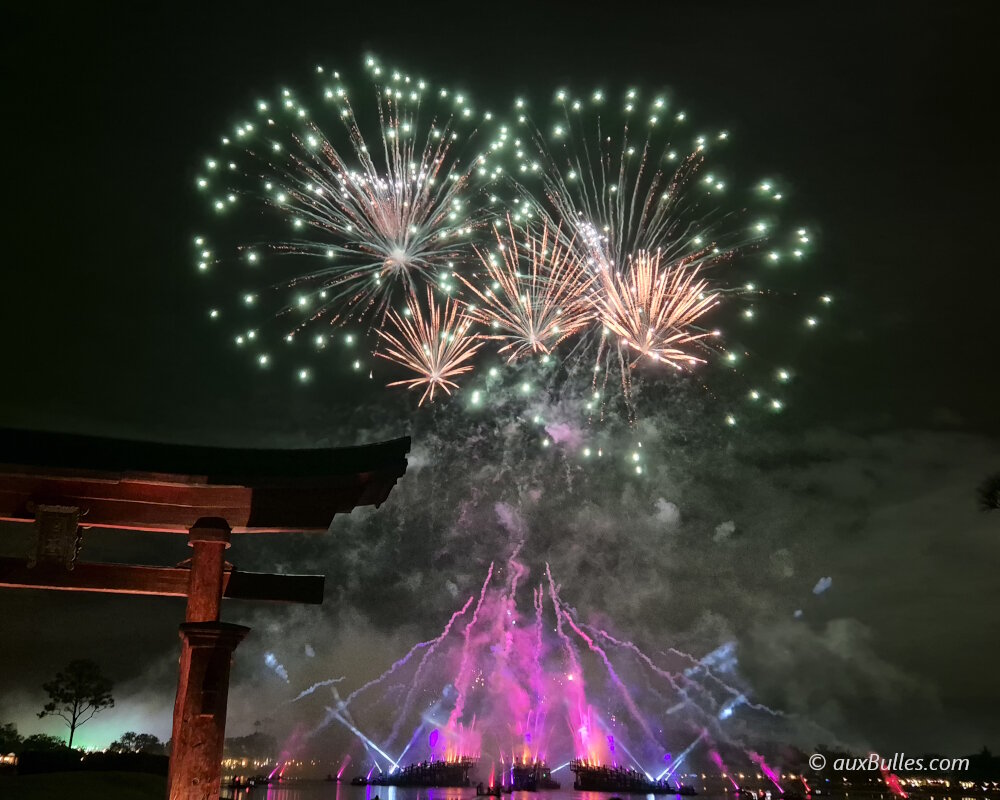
{"x":668,"y":235}
{"x":353,"y":212}
{"x":536,"y":293}
{"x":388,"y":223}
{"x":437,"y":345}
{"x":653,"y":307}
{"x":613,"y":234}
{"x":631,"y":180}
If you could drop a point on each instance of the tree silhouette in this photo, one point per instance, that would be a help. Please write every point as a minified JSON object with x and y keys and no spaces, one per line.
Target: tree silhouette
{"x":132,"y":742}
{"x":42,"y":742}
{"x":989,"y":493}
{"x":10,"y":739}
{"x":77,"y":693}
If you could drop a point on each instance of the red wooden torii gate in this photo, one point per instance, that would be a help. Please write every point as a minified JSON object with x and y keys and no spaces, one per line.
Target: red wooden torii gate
{"x":63,"y":484}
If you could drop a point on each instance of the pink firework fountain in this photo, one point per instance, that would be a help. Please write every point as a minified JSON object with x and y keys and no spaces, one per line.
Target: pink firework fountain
{"x":511,"y":689}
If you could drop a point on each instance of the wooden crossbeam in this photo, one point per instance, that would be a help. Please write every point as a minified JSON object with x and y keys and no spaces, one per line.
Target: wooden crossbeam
{"x":159,"y":581}
{"x":148,"y":486}
{"x":141,"y":504}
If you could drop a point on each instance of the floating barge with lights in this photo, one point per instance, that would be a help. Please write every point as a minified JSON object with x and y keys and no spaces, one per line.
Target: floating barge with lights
{"x":602,"y":778}
{"x":426,"y":774}
{"x":528,"y":776}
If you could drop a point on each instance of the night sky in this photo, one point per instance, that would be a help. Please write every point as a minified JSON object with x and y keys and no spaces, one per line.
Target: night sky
{"x":878,"y":116}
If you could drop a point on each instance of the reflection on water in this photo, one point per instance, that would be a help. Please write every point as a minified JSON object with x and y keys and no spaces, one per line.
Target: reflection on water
{"x":329,"y":790}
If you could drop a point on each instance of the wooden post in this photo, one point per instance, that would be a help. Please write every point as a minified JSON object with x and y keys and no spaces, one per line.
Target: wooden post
{"x":209,"y":538}
{"x":207,"y":645}
{"x":200,"y":709}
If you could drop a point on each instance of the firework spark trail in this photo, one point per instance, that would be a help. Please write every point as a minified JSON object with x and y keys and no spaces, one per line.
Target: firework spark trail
{"x":570,"y":650}
{"x":671,"y":704}
{"x":702,"y":665}
{"x":619,"y":684}
{"x":292,"y":744}
{"x":314,"y":687}
{"x":668,"y":676}
{"x":726,"y":736}
{"x":699,"y":664}
{"x":758,"y":759}
{"x":341,"y":705}
{"x":346,"y":702}
{"x":463,"y":679}
{"x":537,"y":686}
{"x":567,"y":642}
{"x":735,"y":693}
{"x":535,"y":308}
{"x":892,"y":781}
{"x":695,"y":662}
{"x":437,"y":347}
{"x":717,"y":760}
{"x":709,"y":699}
{"x":507,"y":619}
{"x":347,"y":760}
{"x":536,"y":656}
{"x":415,"y":683}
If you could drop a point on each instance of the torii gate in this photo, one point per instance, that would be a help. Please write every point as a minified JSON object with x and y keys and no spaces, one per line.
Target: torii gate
{"x":61,"y":482}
